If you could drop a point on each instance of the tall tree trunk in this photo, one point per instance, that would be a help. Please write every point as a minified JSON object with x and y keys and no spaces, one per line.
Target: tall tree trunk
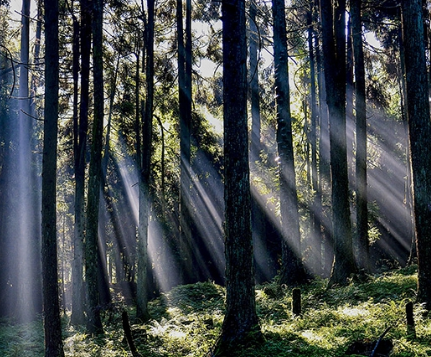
{"x":418,"y":115}
{"x":326,"y":251}
{"x":254,"y":84}
{"x":292,"y":269}
{"x":410,"y":219}
{"x":52,"y":322}
{"x":334,"y":48}
{"x":36,"y":59}
{"x":82,"y":35}
{"x":260,"y":237}
{"x":185,"y":104}
{"x":362,"y":242}
{"x":145,"y":174}
{"x":240,"y":325}
{"x":315,"y":209}
{"x":94,"y":323}
{"x":25,"y":283}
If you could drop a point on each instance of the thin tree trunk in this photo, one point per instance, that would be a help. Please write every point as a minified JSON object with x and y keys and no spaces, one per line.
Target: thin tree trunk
{"x":326,"y":251}
{"x":361,"y":139}
{"x":315,"y":208}
{"x":334,"y":48}
{"x":26,"y":252}
{"x":185,"y":105}
{"x":52,"y":322}
{"x":145,"y":174}
{"x":292,"y":269}
{"x":257,"y":217}
{"x":82,"y":35}
{"x":94,"y":323}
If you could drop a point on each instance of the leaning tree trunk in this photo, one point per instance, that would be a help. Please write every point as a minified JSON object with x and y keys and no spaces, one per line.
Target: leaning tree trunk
{"x":51,"y":305}
{"x":240,"y":325}
{"x":418,"y":116}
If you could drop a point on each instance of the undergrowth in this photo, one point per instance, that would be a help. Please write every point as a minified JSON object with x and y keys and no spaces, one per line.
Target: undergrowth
{"x":187,"y":322}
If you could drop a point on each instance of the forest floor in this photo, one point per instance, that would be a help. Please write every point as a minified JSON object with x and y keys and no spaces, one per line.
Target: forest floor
{"x":187,"y":322}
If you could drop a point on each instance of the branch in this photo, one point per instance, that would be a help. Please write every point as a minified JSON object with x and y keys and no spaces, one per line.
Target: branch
{"x":128,"y":333}
{"x":12,"y":66}
{"x":379,"y":340}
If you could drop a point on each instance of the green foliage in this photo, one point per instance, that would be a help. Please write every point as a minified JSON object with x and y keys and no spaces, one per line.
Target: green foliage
{"x":188,"y":320}
{"x":20,"y":340}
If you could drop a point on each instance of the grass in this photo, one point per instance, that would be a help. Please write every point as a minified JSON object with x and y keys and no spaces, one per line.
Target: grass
{"x":187,"y":322}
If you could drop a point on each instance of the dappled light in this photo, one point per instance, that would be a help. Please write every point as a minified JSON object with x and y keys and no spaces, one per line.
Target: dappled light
{"x":207,"y":190}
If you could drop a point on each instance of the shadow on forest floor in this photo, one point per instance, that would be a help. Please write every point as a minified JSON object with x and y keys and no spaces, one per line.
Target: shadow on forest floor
{"x":188,"y":320}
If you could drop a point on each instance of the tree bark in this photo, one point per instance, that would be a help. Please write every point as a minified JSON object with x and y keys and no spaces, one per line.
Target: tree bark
{"x":260,"y":235}
{"x":185,"y":106}
{"x":334,"y":62}
{"x":82,"y":33}
{"x":52,"y":322}
{"x":316,"y":205}
{"x":362,"y":242}
{"x":418,"y":116}
{"x":240,"y":325}
{"x":292,"y":269}
{"x":94,"y":323}
{"x":145,"y":176}
{"x":326,"y":252}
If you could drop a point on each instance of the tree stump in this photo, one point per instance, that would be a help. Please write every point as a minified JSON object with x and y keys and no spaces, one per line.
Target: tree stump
{"x":296,"y":302}
{"x":411,"y":331}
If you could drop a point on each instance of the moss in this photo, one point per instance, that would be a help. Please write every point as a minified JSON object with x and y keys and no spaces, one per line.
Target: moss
{"x":188,"y":322}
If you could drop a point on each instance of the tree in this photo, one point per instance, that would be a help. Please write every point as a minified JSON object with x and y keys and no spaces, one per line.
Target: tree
{"x":82,"y":36}
{"x":254,"y":84}
{"x":185,"y":106}
{"x":145,"y":171}
{"x":94,"y":323}
{"x":418,"y":116}
{"x":362,"y":242}
{"x":317,"y":199}
{"x":240,"y":325}
{"x":260,"y":235}
{"x":26,"y":244}
{"x":52,"y":322}
{"x":292,"y":269}
{"x":334,"y":63}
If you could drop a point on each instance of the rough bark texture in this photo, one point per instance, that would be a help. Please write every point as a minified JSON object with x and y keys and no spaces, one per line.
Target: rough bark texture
{"x":362,"y":243}
{"x":144,"y":186}
{"x":240,"y":325}
{"x":51,"y":306}
{"x":418,"y":116}
{"x":292,"y":269}
{"x":94,"y":323}
{"x":334,"y":48}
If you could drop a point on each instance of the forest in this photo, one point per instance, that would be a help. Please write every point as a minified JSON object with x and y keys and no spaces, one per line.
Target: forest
{"x":215,"y":178}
